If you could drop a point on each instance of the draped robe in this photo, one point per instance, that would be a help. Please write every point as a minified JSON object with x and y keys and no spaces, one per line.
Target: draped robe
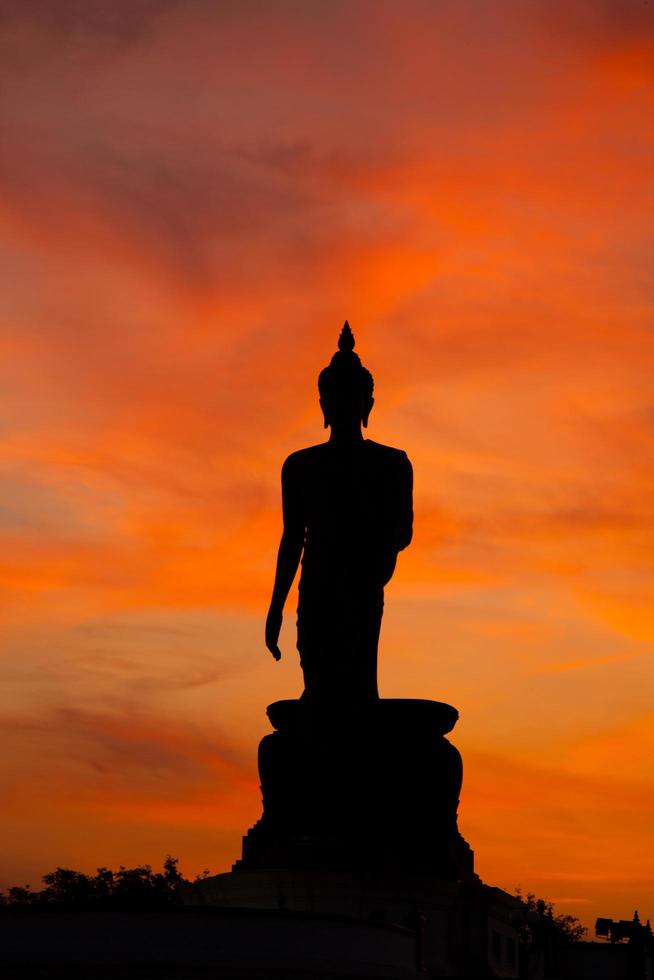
{"x":353,"y":504}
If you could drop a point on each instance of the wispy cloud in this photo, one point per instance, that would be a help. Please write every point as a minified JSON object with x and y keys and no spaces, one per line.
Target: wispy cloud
{"x":193,"y":197}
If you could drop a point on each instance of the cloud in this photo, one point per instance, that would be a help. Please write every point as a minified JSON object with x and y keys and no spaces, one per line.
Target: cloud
{"x":116,"y":774}
{"x":135,"y":764}
{"x":559,"y":831}
{"x":605,"y":24}
{"x":194,"y":197}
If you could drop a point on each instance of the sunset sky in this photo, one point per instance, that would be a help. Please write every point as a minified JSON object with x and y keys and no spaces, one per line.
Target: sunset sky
{"x":193,"y":197}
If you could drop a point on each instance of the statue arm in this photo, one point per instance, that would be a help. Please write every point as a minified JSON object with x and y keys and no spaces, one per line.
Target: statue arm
{"x":288,"y":556}
{"x":405,"y":522}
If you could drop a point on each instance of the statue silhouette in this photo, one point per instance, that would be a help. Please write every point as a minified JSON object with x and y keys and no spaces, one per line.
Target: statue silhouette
{"x":347,"y":509}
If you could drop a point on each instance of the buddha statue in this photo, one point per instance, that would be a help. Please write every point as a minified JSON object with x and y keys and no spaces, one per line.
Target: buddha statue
{"x":347,"y":513}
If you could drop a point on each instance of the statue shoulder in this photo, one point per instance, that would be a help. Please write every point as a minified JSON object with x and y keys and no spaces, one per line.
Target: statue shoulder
{"x":302,"y":458}
{"x":389,"y":454}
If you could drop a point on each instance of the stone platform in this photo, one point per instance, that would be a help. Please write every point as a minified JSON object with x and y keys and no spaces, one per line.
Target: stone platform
{"x":360,"y":823}
{"x":454,"y":929}
{"x":203,"y":943}
{"x":360,"y":788}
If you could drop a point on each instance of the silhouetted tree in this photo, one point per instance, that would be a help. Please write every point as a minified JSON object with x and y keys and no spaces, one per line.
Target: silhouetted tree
{"x":132,"y":888}
{"x":542,"y":935}
{"x":20,"y":896}
{"x":540,"y":920}
{"x":67,"y":887}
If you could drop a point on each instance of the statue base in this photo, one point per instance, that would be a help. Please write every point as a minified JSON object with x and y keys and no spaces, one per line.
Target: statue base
{"x":359,"y":832}
{"x":422,"y":925}
{"x":360,"y":787}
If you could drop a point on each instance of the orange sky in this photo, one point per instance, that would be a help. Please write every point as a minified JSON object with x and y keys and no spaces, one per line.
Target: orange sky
{"x":193,"y":198}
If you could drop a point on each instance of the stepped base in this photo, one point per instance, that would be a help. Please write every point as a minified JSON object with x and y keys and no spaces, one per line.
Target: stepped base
{"x":458,"y":929}
{"x":363,"y":787}
{"x":359,"y":825}
{"x":202,"y":944}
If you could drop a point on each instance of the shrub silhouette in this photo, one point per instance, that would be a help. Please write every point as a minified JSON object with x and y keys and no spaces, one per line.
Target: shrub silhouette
{"x":127,"y":888}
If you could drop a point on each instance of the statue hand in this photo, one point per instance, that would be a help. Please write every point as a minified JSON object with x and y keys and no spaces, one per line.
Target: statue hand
{"x":273,"y":626}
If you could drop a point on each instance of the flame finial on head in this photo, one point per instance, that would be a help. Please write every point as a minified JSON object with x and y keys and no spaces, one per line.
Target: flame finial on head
{"x":345,"y":370}
{"x":346,"y":338}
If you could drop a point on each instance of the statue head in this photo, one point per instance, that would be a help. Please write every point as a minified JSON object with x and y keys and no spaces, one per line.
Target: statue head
{"x":345,"y":386}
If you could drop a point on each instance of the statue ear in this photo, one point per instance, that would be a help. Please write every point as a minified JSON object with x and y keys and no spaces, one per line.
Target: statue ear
{"x":325,"y":416}
{"x":367,"y":409}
